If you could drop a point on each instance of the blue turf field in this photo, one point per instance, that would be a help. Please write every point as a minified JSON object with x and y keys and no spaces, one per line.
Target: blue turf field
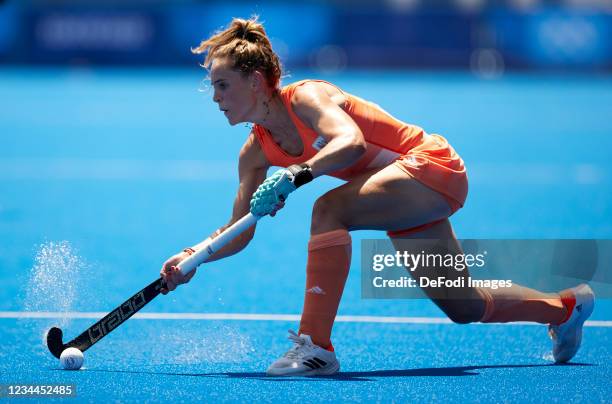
{"x":109,"y":172}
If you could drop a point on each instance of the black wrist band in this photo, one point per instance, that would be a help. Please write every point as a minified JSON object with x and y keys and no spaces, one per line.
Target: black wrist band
{"x":302,"y":174}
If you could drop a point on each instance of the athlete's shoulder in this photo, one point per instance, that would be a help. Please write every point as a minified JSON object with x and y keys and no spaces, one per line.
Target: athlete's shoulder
{"x":312,"y":93}
{"x":296,"y":84}
{"x":309,"y":86}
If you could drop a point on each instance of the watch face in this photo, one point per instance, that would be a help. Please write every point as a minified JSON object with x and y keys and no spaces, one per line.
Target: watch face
{"x":302,"y":177}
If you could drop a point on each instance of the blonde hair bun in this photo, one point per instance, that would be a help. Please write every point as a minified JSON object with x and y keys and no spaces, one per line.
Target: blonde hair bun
{"x":247,"y":43}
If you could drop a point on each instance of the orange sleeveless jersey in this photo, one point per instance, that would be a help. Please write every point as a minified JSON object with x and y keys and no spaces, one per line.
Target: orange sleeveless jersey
{"x":428,"y":158}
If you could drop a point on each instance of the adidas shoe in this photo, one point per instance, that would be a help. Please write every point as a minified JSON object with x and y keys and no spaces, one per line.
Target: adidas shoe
{"x":304,"y":359}
{"x":567,"y":336}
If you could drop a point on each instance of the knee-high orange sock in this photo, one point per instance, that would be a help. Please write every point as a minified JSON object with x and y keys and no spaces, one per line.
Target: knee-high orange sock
{"x":519,"y":303}
{"x":329,"y":259}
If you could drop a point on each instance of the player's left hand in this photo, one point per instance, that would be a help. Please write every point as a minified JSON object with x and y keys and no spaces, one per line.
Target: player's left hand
{"x":273,"y":192}
{"x":172,"y":275}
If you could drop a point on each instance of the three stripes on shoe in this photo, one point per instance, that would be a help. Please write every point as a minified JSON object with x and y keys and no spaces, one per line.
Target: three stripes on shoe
{"x":314,"y":363}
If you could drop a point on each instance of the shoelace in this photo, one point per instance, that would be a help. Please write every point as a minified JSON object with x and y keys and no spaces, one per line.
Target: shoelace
{"x":300,"y":345}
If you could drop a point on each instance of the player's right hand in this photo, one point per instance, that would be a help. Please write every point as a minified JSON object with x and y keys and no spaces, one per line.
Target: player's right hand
{"x":272,"y":193}
{"x":171,"y":274}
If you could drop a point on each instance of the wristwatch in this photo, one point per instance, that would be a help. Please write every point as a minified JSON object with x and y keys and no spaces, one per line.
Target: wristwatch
{"x":302,"y":174}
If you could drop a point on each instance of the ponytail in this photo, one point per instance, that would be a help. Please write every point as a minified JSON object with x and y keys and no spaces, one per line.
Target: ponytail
{"x":247,"y":44}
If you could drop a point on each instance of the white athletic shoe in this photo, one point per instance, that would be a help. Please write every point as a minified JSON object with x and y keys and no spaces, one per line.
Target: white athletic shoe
{"x":304,"y":359}
{"x":567,"y":336}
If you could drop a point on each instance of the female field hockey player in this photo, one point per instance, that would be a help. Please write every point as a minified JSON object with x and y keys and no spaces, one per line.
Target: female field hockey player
{"x":399,"y":179}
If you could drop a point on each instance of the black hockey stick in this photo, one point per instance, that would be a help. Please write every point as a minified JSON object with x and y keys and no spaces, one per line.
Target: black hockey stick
{"x":107,"y":324}
{"x":131,"y":306}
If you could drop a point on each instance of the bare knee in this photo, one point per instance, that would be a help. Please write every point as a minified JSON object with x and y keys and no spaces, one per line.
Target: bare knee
{"x":462,"y":311}
{"x":325,"y":215}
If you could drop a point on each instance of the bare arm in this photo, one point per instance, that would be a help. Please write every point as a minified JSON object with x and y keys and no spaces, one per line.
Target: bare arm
{"x":252,"y":169}
{"x":345,"y":141}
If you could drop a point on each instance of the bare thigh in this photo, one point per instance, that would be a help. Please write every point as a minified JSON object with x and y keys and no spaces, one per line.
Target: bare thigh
{"x":389,"y":199}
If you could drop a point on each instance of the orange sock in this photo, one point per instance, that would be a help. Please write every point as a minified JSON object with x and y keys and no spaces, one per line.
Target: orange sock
{"x":519,"y":303}
{"x":329,"y":259}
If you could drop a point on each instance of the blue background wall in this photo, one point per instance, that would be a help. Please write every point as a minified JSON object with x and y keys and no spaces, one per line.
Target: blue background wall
{"x":333,"y":35}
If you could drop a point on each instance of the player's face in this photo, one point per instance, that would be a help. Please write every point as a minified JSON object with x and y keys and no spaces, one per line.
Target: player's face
{"x":233,"y":91}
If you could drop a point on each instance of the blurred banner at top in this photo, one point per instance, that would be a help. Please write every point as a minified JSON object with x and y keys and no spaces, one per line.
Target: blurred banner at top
{"x":484,"y":36}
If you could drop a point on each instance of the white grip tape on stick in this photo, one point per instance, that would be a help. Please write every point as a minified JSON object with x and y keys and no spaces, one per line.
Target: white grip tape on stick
{"x":213,"y":245}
